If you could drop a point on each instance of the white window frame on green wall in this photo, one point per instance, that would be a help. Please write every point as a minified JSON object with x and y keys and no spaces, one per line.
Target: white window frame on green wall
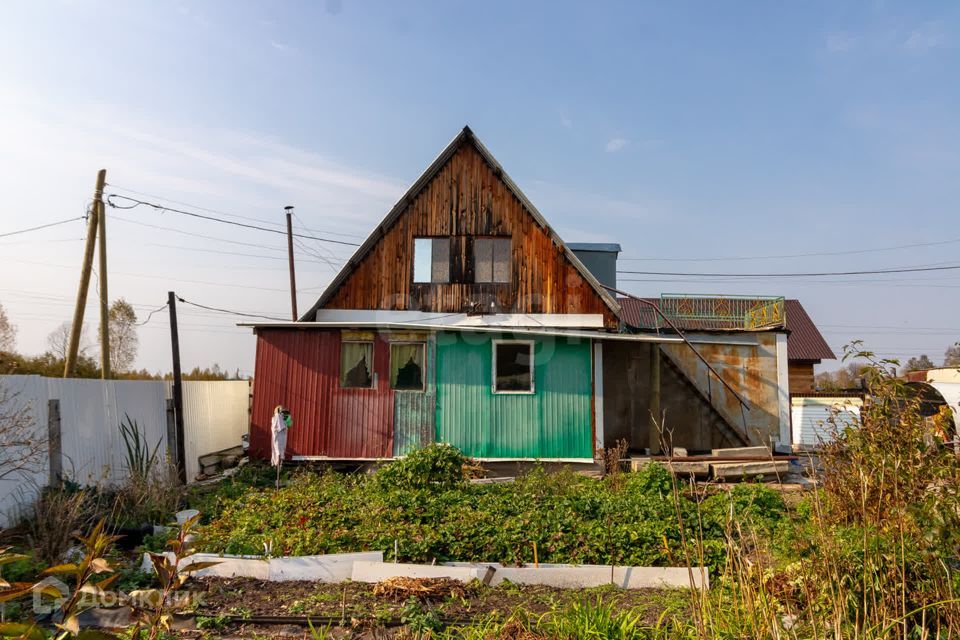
{"x":531,"y":344}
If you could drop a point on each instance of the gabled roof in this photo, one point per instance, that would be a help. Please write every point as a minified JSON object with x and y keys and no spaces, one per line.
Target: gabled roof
{"x":805,"y":341}
{"x":466,"y":136}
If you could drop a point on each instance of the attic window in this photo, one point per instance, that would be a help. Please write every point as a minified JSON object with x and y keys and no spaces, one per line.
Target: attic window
{"x":491,"y":260}
{"x":431,"y":260}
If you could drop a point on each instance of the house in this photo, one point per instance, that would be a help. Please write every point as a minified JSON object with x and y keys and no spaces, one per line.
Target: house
{"x":805,"y":348}
{"x":464,"y":318}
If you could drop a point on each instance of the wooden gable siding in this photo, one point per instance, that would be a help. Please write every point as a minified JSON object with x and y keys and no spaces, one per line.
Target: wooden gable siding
{"x":466,"y":199}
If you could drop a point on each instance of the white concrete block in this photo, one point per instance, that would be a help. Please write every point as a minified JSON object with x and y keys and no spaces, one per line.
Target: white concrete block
{"x":228,"y":567}
{"x":569,"y":576}
{"x":364,"y":571}
{"x":594,"y":576}
{"x":323,"y":568}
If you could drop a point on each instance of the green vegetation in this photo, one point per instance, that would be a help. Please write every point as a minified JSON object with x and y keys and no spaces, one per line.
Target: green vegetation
{"x":423,"y":504}
{"x":873,"y":554}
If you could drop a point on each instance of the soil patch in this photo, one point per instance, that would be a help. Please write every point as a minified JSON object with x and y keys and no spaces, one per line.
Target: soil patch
{"x":359,"y":605}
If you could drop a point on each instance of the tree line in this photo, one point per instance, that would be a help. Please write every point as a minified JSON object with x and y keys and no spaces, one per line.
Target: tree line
{"x":124,"y":346}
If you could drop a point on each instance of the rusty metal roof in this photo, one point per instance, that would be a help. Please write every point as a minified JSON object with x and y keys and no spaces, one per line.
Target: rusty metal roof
{"x":804,"y":343}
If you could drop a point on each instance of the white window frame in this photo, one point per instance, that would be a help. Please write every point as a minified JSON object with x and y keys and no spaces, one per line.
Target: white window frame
{"x":430,"y":240}
{"x":373,"y":372}
{"x":423,"y":367}
{"x":533,"y":368}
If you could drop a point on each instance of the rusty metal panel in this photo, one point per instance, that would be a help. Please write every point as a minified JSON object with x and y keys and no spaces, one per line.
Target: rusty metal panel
{"x":750,"y":369}
{"x":301,"y":369}
{"x":414,"y":412}
{"x":552,"y":422}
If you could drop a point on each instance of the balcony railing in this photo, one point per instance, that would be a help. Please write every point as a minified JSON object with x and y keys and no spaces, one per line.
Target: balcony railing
{"x":708,"y":312}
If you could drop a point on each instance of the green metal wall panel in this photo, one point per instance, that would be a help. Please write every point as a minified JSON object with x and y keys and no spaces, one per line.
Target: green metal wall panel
{"x":552,"y":422}
{"x":414,"y":411}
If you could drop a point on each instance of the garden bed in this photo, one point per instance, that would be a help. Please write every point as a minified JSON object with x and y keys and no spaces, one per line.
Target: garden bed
{"x":564,"y":518}
{"x":228,"y":599}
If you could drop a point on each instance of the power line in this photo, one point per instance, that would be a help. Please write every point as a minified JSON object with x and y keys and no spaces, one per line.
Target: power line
{"x":200,"y":235}
{"x":235,"y":253}
{"x":160,"y":207}
{"x":224,"y":213}
{"x":792,"y":275}
{"x":233,"y":313}
{"x":150,"y":315}
{"x":42,"y":226}
{"x":810,"y":254}
{"x":195,"y":206}
{"x":152,"y":277}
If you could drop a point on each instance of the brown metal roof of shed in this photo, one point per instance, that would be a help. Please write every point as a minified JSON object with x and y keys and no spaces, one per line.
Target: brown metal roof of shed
{"x":804,"y":343}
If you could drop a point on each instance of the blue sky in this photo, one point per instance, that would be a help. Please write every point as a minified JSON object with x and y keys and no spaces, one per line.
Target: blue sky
{"x":686,"y":131}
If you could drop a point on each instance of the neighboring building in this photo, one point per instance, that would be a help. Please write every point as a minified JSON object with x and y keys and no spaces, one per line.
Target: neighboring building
{"x":464,"y":318}
{"x":950,"y":375}
{"x":805,"y":348}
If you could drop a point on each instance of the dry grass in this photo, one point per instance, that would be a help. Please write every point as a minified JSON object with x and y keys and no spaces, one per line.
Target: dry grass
{"x":400,"y":588}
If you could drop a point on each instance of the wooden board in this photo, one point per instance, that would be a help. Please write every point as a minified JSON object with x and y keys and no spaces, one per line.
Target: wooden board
{"x":464,"y":201}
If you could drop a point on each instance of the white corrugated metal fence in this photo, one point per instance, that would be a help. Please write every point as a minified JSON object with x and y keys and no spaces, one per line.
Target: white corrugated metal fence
{"x":216,"y":416}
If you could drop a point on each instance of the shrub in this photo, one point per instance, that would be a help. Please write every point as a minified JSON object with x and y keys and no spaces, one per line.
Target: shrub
{"x":435,"y":466}
{"x":57,"y":516}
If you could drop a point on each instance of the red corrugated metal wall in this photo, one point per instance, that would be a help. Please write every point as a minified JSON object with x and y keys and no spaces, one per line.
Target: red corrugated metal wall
{"x":300,"y":368}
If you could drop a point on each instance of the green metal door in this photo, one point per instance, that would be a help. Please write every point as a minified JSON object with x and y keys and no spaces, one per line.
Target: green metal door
{"x":552,"y":422}
{"x":414,"y":411}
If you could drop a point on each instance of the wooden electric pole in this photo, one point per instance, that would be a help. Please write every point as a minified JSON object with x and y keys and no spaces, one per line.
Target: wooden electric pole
{"x":70,"y":361}
{"x":293,"y":274}
{"x":104,"y":298}
{"x":177,"y":388}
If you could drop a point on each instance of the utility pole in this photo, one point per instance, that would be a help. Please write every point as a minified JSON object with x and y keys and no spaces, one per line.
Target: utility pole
{"x":70,"y":362}
{"x":177,"y":388}
{"x":104,"y":298}
{"x":293,"y":274}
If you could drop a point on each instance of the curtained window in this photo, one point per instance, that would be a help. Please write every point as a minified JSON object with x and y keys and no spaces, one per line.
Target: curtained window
{"x":406,"y":366}
{"x":356,"y":365}
{"x":512,"y":367}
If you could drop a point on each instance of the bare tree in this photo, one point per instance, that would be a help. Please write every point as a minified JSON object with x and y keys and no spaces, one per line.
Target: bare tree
{"x":124,"y":342}
{"x":951,"y":357}
{"x":8,"y":332}
{"x":58,"y":342}
{"x":23,"y":445}
{"x":921,"y":363}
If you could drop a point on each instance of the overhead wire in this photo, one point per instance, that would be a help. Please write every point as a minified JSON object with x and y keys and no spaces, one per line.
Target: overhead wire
{"x":794,"y":275}
{"x":39,"y":227}
{"x":160,"y":207}
{"x":228,"y":311}
{"x":151,"y":314}
{"x":810,"y":254}
{"x":224,"y":213}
